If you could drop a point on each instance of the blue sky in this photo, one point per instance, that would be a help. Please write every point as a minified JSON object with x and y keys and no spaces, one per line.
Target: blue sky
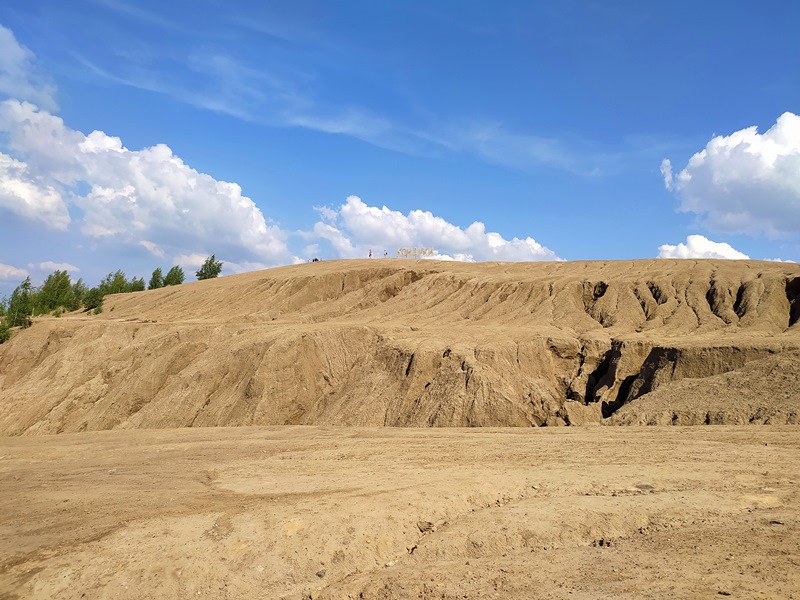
{"x":143,"y":134}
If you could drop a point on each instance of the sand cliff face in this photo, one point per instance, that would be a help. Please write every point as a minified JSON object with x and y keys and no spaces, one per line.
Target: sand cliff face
{"x":405,"y":343}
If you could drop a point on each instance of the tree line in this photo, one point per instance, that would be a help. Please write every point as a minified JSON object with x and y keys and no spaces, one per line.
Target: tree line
{"x":59,"y":294}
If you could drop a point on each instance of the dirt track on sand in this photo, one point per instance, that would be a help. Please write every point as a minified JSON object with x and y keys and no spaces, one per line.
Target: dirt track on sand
{"x":299,"y":512}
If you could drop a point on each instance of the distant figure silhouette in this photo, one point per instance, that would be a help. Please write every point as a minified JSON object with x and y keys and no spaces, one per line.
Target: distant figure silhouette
{"x":370,"y":252}
{"x":314,"y":260}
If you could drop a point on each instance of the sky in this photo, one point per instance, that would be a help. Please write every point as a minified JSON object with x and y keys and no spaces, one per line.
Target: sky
{"x":137,"y":134}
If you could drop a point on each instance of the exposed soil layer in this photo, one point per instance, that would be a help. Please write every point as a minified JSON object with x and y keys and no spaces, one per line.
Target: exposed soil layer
{"x":425,"y":343}
{"x":379,"y":513}
{"x":763,"y":391}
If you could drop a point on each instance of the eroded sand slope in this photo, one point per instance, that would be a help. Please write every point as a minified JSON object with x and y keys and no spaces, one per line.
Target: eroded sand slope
{"x":405,"y":343}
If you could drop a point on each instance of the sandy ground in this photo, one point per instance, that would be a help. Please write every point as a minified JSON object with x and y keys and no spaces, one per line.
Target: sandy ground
{"x":310,"y":512}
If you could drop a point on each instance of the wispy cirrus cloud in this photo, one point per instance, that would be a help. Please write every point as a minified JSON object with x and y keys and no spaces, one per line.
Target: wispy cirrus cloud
{"x":136,"y":12}
{"x":497,"y":144}
{"x":226,"y":86}
{"x":221,"y":84}
{"x":20,"y":76}
{"x":279,"y":96}
{"x":216,"y":82}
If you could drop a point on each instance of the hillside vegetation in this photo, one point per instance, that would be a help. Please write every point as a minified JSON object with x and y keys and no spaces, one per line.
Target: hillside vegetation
{"x":421,"y":343}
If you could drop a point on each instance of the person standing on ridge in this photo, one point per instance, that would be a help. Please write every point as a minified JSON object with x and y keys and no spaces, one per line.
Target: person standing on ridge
{"x":370,"y":252}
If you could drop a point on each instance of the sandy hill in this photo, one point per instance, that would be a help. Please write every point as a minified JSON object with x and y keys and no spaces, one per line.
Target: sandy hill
{"x":421,"y":343}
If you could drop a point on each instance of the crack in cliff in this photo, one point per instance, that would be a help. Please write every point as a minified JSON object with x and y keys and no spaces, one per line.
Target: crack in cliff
{"x":526,"y":350}
{"x":720,"y":300}
{"x":593,"y":383}
{"x":793,"y":296}
{"x":570,"y":393}
{"x":658,"y":294}
{"x":410,"y":364}
{"x":609,"y":407}
{"x":592,"y":292}
{"x":738,"y":305}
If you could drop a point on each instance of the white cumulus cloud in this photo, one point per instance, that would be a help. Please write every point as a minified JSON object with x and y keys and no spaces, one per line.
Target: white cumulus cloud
{"x":355,"y":227}
{"x":746,"y":182}
{"x":147,"y":197}
{"x":191,"y":261}
{"x":49,"y":265}
{"x":9,"y":272}
{"x":19,"y":77}
{"x":698,"y":246}
{"x":29,"y":196}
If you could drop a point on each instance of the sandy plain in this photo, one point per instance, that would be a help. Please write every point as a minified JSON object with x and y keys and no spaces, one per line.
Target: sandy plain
{"x":222,"y":439}
{"x":339,"y":512}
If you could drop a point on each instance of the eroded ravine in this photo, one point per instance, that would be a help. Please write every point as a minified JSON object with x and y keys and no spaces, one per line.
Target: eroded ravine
{"x":404,"y":343}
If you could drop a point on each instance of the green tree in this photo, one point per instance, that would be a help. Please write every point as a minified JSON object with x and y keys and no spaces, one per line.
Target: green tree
{"x":174,"y":276}
{"x":5,"y":332}
{"x":20,"y":305}
{"x":93,"y":298}
{"x":3,"y":306}
{"x":77,"y":294}
{"x":114,"y":283}
{"x":156,"y":280}
{"x":117,"y":283}
{"x":210,"y":269}
{"x":55,"y":292}
{"x":136,"y":284}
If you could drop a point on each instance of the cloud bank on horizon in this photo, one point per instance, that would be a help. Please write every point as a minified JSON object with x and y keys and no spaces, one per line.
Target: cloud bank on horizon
{"x":151,"y":202}
{"x":698,"y":246}
{"x":354,"y":228}
{"x":152,"y":199}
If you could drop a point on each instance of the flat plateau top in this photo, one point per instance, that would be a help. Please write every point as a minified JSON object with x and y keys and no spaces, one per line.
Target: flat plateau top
{"x":639,"y":297}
